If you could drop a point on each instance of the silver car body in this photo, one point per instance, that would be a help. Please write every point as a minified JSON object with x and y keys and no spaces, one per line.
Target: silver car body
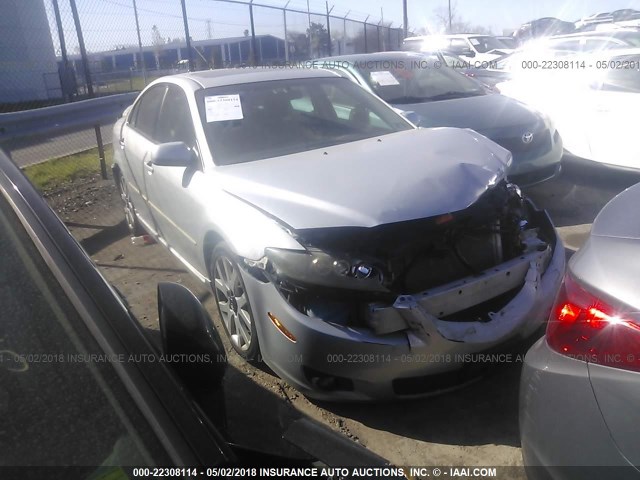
{"x":576,"y":413}
{"x":387,"y":180}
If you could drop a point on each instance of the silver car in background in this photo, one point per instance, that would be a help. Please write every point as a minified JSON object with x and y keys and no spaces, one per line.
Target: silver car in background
{"x":580,"y":386}
{"x":360,"y":257}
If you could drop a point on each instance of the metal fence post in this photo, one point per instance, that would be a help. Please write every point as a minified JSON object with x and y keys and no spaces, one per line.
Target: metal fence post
{"x":286,"y":41}
{"x":366,"y":45}
{"x":67,"y":97}
{"x":87,"y":76}
{"x":252,"y":54}
{"x":329,"y":27}
{"x":144,"y":67}
{"x":187,"y":36}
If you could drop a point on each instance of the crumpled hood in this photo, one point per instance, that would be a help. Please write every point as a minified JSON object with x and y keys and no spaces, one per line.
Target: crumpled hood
{"x":393,"y":178}
{"x":493,"y":115}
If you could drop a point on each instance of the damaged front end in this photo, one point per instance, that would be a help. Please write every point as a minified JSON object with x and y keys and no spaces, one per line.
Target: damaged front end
{"x":457,"y":275}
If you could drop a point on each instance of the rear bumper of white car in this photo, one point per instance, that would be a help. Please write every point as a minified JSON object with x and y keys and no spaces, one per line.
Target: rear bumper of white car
{"x":337,"y":362}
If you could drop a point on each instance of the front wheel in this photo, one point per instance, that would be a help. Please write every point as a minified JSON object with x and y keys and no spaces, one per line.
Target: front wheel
{"x":135,"y":229}
{"x":233,"y":302}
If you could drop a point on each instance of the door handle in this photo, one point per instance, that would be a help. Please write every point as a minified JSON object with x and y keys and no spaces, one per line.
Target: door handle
{"x":149,"y":167}
{"x":122,"y":143}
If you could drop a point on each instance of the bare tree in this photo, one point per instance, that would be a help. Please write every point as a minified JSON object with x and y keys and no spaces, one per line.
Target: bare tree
{"x":158,"y":41}
{"x":450,"y":21}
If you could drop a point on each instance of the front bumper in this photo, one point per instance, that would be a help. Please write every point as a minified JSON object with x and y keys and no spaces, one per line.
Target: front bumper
{"x":330,"y":361}
{"x":561,"y":426}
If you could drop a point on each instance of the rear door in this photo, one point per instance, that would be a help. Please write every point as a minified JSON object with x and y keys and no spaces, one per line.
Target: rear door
{"x":137,"y":141}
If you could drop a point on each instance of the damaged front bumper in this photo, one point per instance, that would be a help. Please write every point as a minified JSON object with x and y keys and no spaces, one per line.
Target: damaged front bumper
{"x":419,"y":344}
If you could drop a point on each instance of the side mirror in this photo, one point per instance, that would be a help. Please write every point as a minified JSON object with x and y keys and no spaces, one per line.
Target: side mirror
{"x":172,"y":154}
{"x":467,"y":52}
{"x":190,"y":344}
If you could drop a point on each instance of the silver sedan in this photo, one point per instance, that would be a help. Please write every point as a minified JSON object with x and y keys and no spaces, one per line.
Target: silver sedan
{"x":357,"y":256}
{"x":580,"y":386}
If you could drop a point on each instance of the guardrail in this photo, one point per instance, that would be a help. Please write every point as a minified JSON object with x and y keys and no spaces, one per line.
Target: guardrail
{"x":62,"y":119}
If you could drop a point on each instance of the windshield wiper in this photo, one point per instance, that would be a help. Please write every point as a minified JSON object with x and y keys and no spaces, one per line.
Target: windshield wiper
{"x":450,"y":95}
{"x":404,"y":100}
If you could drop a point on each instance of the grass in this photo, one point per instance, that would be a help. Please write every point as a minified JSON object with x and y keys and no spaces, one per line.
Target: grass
{"x":64,"y":170}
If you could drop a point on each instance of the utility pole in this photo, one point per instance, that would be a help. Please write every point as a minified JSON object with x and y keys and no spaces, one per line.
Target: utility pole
{"x":209,"y":35}
{"x":405,"y":17}
{"x":450,"y":29}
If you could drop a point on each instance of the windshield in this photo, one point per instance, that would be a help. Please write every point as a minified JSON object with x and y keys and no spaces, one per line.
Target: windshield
{"x":486,"y":44}
{"x":254,"y":121}
{"x":416,"y":79}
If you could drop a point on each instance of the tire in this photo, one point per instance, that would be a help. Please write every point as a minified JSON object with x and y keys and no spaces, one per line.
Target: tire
{"x":135,"y":229}
{"x":233,"y":303}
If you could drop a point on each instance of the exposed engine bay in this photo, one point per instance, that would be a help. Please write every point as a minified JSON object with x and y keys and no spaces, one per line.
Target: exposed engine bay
{"x":475,"y":259}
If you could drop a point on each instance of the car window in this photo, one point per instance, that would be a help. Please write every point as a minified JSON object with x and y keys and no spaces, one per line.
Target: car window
{"x":174,"y":122}
{"x":595,"y":44}
{"x":61,"y":401}
{"x":255,"y":121}
{"x":486,"y":44}
{"x":458,"y":44}
{"x":420,"y":80}
{"x":147,"y":111}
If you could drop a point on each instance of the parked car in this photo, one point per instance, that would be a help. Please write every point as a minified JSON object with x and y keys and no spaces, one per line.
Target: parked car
{"x":580,"y":384}
{"x":593,"y":105}
{"x":341,"y":242}
{"x":81,"y":385}
{"x":508,"y":41}
{"x":542,"y":27}
{"x":594,"y":42}
{"x":433,"y":95}
{"x":482,"y":48}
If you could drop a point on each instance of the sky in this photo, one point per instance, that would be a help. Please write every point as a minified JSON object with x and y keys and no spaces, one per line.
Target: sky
{"x":108,"y":24}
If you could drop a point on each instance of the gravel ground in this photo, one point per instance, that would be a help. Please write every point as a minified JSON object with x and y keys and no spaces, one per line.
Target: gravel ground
{"x":476,"y":425}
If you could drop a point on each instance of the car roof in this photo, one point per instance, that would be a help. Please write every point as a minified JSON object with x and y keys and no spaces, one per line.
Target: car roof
{"x":594,"y":33}
{"x":235,"y":76}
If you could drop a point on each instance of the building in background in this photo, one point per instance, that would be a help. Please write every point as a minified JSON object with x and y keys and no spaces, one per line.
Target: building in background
{"x":28,"y":65}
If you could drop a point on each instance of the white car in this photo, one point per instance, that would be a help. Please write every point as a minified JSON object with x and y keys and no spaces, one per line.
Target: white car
{"x":593,"y":100}
{"x":482,"y":48}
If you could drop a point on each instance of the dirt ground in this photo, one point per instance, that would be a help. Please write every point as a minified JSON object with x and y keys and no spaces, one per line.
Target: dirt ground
{"x":474,"y":426}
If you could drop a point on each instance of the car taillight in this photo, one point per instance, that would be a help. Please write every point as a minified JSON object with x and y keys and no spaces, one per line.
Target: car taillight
{"x":585,"y":327}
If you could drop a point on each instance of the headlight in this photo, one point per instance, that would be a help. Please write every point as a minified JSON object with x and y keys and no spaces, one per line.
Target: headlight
{"x":321,"y":269}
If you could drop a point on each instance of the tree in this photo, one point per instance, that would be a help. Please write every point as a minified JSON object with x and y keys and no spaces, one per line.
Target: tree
{"x":246,"y":32}
{"x":319,"y":39}
{"x":458,"y":24}
{"x":156,"y":38}
{"x":158,"y":41}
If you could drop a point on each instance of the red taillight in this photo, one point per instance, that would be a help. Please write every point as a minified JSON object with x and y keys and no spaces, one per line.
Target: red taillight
{"x":584,"y":327}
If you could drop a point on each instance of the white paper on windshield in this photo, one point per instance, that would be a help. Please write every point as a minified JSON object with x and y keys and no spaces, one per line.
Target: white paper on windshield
{"x":384,"y":78}
{"x":219,"y":108}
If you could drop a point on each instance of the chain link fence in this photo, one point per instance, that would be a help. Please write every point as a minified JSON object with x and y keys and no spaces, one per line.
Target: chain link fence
{"x":61,"y":51}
